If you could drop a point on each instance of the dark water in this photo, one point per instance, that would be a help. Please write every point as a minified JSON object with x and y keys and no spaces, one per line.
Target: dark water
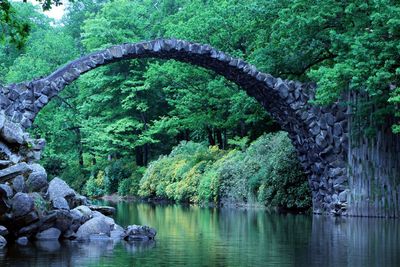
{"x":193,"y":236}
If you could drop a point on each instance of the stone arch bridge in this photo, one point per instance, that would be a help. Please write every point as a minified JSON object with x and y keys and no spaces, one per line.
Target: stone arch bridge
{"x":320,"y":135}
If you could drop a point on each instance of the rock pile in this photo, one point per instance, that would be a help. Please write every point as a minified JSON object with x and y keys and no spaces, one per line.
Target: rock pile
{"x":31,"y":208}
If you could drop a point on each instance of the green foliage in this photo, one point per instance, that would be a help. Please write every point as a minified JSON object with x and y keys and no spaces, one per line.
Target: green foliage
{"x":178,"y":175}
{"x":267,"y":172}
{"x":96,"y":185}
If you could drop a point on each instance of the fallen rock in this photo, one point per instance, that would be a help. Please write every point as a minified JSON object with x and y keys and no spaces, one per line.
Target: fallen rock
{"x":3,"y":230}
{"x":139,"y":232}
{"x":4,"y":206}
{"x":3,"y":242}
{"x":97,"y":225}
{"x":5,"y":163}
{"x":60,"y":203}
{"x":59,"y":188}
{"x":22,"y":204}
{"x":64,"y":220}
{"x":40,"y":205}
{"x":118,"y":233}
{"x":7,"y":189}
{"x":84,"y":210}
{"x":106,"y":210}
{"x":26,"y":219}
{"x":18,"y":184}
{"x":12,"y":133}
{"x":22,"y":241}
{"x":37,"y":180}
{"x":49,"y":234}
{"x":13,"y":171}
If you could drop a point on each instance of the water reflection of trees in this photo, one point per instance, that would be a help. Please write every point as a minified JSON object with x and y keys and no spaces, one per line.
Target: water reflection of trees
{"x":194,"y":236}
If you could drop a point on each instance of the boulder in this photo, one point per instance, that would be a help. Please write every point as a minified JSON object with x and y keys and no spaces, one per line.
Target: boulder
{"x":4,"y":206}
{"x":3,"y":242}
{"x":3,"y":230}
{"x":7,"y":189}
{"x":22,"y":241}
{"x":118,"y":233}
{"x":13,"y":171}
{"x":110,"y":221}
{"x":60,"y":203}
{"x":106,"y":210}
{"x":77,"y":200}
{"x":37,"y":180}
{"x":97,"y":225}
{"x":18,"y":184}
{"x":40,"y":205}
{"x":22,"y":204}
{"x":26,"y":219}
{"x":64,"y":220}
{"x":84,"y":210}
{"x":139,"y":232}
{"x":59,"y":188}
{"x":5,"y":163}
{"x":12,"y":133}
{"x":49,"y":234}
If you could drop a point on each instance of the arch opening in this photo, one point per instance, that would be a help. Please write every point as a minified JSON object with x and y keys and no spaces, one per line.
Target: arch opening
{"x":318,"y":134}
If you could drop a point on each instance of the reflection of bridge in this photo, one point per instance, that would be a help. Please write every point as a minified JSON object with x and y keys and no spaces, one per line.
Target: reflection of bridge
{"x":319,"y":134}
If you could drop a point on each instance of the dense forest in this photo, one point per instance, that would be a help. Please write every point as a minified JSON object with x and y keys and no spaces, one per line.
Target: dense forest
{"x":164,"y":129}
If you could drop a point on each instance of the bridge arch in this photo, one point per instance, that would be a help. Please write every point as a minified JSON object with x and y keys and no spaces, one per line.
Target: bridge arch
{"x":318,"y":134}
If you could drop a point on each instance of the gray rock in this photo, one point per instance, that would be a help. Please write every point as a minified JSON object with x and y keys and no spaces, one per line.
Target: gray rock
{"x":49,"y":234}
{"x":39,"y":203}
{"x":5,"y":163}
{"x":26,"y":219}
{"x":2,"y":119}
{"x":22,"y":241}
{"x":37,"y":181}
{"x":3,"y":242}
{"x":69,"y":235}
{"x":13,"y":171}
{"x":7,"y":189}
{"x":64,"y":220}
{"x":118,"y":233}
{"x":12,"y":133}
{"x":22,"y":204}
{"x":110,"y":221}
{"x":106,"y":210}
{"x":97,"y":225}
{"x":139,"y":232}
{"x":18,"y":184}
{"x":84,"y":210}
{"x":343,"y":196}
{"x":59,"y":188}
{"x":3,"y":230}
{"x":60,"y":203}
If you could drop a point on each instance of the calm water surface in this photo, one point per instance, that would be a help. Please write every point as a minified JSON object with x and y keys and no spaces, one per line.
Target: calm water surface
{"x":194,"y":236}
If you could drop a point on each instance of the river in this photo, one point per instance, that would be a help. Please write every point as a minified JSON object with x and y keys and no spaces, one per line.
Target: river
{"x":196,"y":236}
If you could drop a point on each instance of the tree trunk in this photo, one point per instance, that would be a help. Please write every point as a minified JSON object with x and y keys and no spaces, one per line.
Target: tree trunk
{"x":211,"y":139}
{"x":225,"y":140}
{"x":80,"y":146}
{"x":139,"y":156}
{"x":219,"y":138}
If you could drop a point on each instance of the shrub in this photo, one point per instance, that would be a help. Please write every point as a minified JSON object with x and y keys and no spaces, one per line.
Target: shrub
{"x":267,"y":172}
{"x":96,"y":185}
{"x":130,"y":186}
